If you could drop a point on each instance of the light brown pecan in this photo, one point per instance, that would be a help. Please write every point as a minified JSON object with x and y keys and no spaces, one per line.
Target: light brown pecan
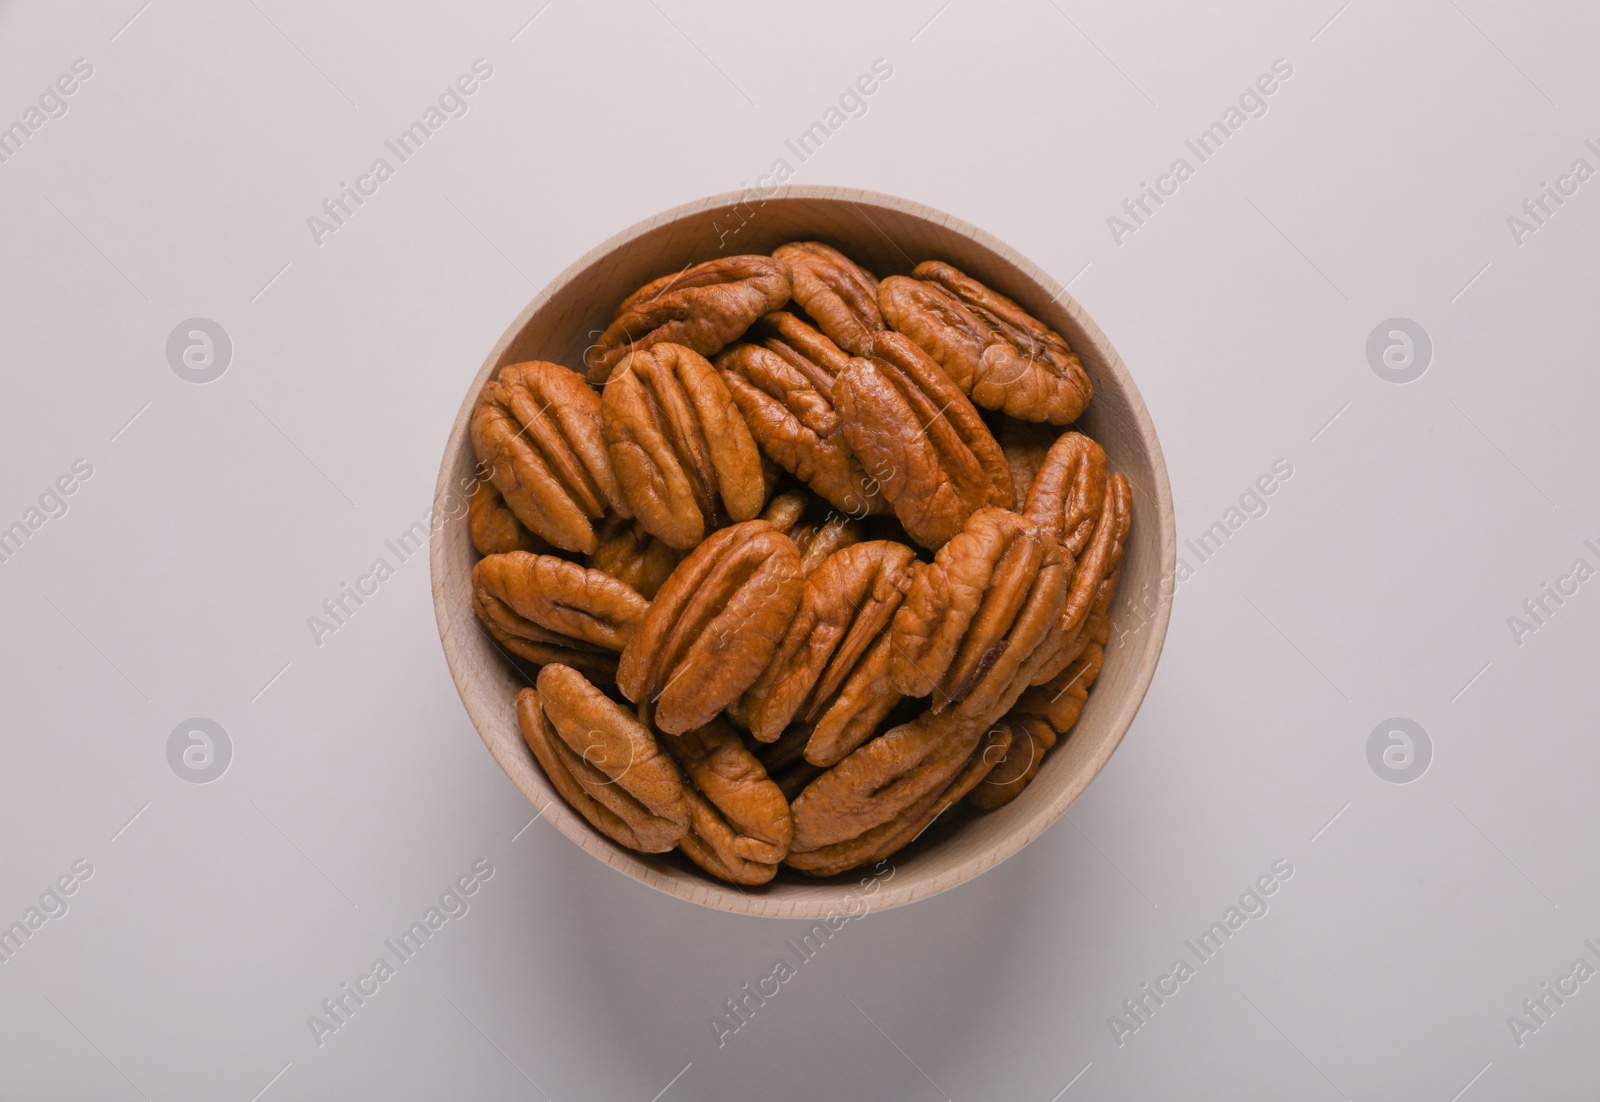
{"x":1025,"y":445}
{"x":996,"y":351}
{"x":1030,"y":738}
{"x":1060,"y":700}
{"x":630,"y":554}
{"x":784,"y":388}
{"x":713,"y":626}
{"x":853,"y":715}
{"x":603,"y":762}
{"x":536,"y":428}
{"x":494,"y":528}
{"x":814,"y":539}
{"x":845,"y":606}
{"x":886,"y":793}
{"x":988,"y":599}
{"x":837,"y":292}
{"x":546,"y":609}
{"x":1095,"y":568}
{"x":1069,"y":491}
{"x":740,"y":826}
{"x":921,"y":439}
{"x":706,"y":308}
{"x":685,"y":460}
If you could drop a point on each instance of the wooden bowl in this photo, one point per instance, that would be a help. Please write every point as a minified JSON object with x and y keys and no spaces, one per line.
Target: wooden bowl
{"x":888,"y":236}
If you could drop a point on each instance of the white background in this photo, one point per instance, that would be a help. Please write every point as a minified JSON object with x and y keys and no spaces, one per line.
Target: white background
{"x":218,"y":518}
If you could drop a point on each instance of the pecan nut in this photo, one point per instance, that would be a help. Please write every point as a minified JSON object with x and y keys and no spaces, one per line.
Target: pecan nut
{"x":603,"y":762}
{"x":839,"y":294}
{"x":972,"y":616}
{"x":786,"y":397}
{"x":1094,"y":576}
{"x":845,"y":606}
{"x":494,"y":528}
{"x":682,"y":453}
{"x":884,"y":794}
{"x":815,"y":540}
{"x":1060,"y":700}
{"x":1068,"y":491}
{"x":713,"y":626}
{"x":1031,"y":737}
{"x":706,"y":308}
{"x":630,"y":554}
{"x":921,"y":439}
{"x":537,"y":429}
{"x":546,"y":609}
{"x":996,"y":351}
{"x":1025,"y":445}
{"x":739,"y":822}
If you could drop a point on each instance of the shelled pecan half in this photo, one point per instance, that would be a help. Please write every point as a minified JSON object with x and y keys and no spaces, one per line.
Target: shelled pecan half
{"x":546,"y":609}
{"x":683,"y":455}
{"x":705,"y":307}
{"x":713,"y":626}
{"x":845,"y":606}
{"x":921,"y":439}
{"x":606,"y":765}
{"x":784,"y":388}
{"x":988,"y":599}
{"x":536,"y":428}
{"x":739,"y":822}
{"x":839,"y":294}
{"x":996,"y":351}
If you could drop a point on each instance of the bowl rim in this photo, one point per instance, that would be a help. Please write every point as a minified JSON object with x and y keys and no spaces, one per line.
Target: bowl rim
{"x":828,"y":897}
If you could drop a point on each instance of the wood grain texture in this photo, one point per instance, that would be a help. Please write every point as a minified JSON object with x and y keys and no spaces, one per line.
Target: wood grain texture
{"x":889,"y":236}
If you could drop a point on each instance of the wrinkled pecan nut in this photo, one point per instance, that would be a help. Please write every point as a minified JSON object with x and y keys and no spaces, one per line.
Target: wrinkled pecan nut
{"x":739,"y":821}
{"x":603,"y":762}
{"x":706,"y":308}
{"x":980,"y":609}
{"x":786,"y":398}
{"x":536,"y":428}
{"x":682,"y":453}
{"x":1094,"y":576}
{"x":839,"y":294}
{"x":845,"y":606}
{"x":1031,"y":737}
{"x":546,"y":609}
{"x":714,"y":625}
{"x":886,"y":793}
{"x":630,"y":554}
{"x":494,"y":528}
{"x":814,"y":540}
{"x":997,"y":352}
{"x":921,"y":439}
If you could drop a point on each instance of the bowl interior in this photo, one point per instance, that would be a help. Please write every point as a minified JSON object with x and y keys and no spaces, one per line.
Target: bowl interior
{"x":888,"y":236}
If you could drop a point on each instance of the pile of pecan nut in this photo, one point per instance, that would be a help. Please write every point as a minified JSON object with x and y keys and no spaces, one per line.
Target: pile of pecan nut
{"x":804,"y":558}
